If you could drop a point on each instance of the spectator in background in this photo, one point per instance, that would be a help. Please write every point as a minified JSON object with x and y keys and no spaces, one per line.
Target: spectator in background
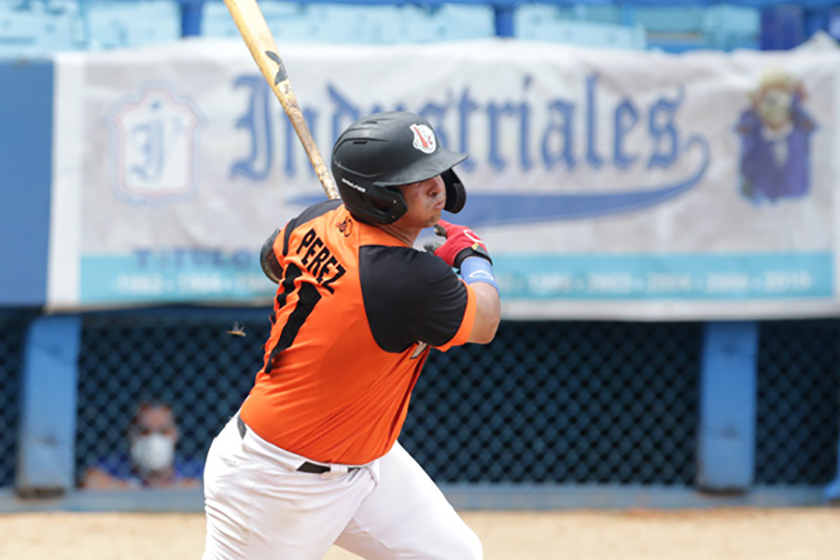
{"x":152,"y":461}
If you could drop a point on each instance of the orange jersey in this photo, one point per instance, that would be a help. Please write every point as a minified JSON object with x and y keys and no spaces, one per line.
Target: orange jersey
{"x":355,"y":314}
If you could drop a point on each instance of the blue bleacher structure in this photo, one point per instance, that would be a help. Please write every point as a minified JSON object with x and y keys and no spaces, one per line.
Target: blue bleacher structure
{"x":40,"y":27}
{"x":680,"y":28}
{"x":588,"y":28}
{"x":127,"y":24}
{"x":349,"y":24}
{"x":34,"y":28}
{"x":31,"y":29}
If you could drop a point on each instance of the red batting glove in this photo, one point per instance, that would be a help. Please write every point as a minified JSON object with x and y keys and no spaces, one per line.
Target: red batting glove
{"x":461,"y":243}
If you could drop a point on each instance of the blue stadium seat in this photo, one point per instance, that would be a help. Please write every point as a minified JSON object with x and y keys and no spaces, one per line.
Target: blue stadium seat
{"x":597,"y":13}
{"x":112,"y":24}
{"x":348,"y":24}
{"x":37,"y":28}
{"x":729,"y":27}
{"x":670,"y":19}
{"x":41,"y":27}
{"x":537,"y":22}
{"x":681,"y":28}
{"x":449,"y":22}
{"x":216,"y":20}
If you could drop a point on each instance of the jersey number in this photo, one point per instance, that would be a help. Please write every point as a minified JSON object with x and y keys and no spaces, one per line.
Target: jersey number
{"x":308,"y":297}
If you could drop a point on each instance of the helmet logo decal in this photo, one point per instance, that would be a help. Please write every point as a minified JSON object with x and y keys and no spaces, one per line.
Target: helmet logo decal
{"x":424,"y":138}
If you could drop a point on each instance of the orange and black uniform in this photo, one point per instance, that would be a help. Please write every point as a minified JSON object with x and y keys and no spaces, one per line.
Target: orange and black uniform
{"x":354,"y":315}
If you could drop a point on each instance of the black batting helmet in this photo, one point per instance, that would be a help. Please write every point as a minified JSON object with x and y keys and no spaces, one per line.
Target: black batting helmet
{"x":386,"y":150}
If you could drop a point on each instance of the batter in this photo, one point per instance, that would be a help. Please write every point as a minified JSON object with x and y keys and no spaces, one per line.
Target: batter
{"x":312,"y":458}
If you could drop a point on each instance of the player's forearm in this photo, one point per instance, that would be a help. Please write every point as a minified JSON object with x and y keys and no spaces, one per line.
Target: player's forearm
{"x":488,"y":313}
{"x":465,"y":251}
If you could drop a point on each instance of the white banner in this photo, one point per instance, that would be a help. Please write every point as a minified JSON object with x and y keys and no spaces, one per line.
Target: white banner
{"x":607,"y":184}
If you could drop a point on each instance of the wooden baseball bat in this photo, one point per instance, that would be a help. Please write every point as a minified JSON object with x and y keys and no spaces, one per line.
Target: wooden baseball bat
{"x":254,"y":30}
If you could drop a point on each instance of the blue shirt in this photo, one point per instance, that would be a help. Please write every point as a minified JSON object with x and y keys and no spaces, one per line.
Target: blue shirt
{"x":121,"y":467}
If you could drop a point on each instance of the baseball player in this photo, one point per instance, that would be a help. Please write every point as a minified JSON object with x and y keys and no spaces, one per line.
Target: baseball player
{"x":312,"y":459}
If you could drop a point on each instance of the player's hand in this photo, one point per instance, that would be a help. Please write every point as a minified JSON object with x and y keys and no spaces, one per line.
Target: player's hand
{"x":461,"y":243}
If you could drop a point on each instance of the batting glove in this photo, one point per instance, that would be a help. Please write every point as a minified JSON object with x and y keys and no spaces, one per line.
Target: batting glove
{"x":461,"y":243}
{"x":464,"y":250}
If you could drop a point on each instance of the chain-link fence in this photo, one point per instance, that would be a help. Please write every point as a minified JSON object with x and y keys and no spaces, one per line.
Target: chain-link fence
{"x":563,"y":403}
{"x":556,"y":402}
{"x":190,"y":362}
{"x":12,"y":334}
{"x":545,"y":402}
{"x":798,"y":402}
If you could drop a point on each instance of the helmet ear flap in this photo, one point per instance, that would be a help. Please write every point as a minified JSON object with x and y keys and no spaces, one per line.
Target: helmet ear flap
{"x":456,"y":195}
{"x":392,"y":206}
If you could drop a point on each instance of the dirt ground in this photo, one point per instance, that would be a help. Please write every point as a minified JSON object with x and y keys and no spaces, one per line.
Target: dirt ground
{"x":730,"y":534}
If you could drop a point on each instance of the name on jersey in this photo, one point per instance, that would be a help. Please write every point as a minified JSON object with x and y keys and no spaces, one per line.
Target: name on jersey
{"x":319,"y":260}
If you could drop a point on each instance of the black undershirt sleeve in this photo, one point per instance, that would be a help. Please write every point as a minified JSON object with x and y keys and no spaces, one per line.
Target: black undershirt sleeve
{"x":271,"y":267}
{"x":410,"y":296}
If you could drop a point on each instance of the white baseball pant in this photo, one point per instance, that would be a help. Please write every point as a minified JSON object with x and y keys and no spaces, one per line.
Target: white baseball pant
{"x":259,"y":507}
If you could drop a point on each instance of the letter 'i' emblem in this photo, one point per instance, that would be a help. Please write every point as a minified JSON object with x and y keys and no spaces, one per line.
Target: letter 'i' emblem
{"x":154,"y":143}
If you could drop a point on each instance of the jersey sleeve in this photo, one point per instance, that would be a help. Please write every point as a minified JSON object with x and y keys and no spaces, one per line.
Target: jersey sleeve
{"x":411,"y":296}
{"x":463,"y":334}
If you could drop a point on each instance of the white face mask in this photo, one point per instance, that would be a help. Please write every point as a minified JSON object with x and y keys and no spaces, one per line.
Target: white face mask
{"x":153,"y":452}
